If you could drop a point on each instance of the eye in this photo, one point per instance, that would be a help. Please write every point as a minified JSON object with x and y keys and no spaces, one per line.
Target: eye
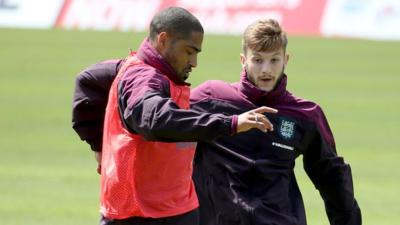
{"x":190,"y":51}
{"x":275,"y":60}
{"x":257,"y":60}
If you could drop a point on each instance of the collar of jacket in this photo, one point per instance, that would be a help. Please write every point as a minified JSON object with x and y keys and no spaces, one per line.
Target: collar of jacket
{"x":149,"y":55}
{"x":260,"y":97}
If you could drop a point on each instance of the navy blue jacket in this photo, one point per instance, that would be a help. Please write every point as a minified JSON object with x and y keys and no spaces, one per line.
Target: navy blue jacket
{"x":249,"y":178}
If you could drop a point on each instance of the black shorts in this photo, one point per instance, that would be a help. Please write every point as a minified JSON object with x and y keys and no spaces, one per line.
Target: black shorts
{"x":189,"y":218}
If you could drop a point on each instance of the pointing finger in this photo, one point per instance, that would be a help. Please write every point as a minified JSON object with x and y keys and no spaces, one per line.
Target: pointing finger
{"x":265,"y":109}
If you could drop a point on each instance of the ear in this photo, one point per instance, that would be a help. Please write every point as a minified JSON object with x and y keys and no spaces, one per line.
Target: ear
{"x":286,"y":59}
{"x":242,"y":60}
{"x":161,"y":40}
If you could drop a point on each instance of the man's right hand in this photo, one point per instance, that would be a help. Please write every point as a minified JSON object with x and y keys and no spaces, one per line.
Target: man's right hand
{"x":255,"y":119}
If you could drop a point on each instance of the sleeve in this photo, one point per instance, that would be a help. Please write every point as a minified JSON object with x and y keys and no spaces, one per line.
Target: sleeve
{"x":332,"y":176}
{"x":90,"y":98}
{"x":149,"y":111}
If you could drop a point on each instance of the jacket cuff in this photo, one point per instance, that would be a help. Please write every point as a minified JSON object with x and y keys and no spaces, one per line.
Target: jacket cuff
{"x":234,"y":124}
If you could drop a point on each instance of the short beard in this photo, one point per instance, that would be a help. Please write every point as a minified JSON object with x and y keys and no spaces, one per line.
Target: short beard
{"x":277,"y":82}
{"x":171,"y":60}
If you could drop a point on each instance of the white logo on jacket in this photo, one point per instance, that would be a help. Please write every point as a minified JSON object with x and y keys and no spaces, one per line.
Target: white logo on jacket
{"x":287,"y":129}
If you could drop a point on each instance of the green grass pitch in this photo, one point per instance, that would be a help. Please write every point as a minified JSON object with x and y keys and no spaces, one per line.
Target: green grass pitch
{"x":47,"y":175}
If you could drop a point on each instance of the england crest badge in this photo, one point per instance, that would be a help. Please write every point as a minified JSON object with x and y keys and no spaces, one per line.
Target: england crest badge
{"x":286,"y":129}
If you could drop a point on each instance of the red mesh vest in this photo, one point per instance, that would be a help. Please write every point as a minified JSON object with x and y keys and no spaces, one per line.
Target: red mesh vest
{"x":143,"y":178}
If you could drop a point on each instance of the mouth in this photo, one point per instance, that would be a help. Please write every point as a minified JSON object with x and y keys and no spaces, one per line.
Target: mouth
{"x":186,"y":73}
{"x":266,"y":79}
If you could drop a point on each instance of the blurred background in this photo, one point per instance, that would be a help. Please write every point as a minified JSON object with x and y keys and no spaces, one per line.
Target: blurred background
{"x":343,"y":55}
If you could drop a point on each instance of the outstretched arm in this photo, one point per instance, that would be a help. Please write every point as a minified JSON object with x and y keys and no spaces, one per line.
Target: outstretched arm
{"x":158,"y":118}
{"x":148,"y":110}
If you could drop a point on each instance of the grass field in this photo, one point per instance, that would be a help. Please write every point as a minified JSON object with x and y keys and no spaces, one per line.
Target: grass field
{"x":47,"y":175}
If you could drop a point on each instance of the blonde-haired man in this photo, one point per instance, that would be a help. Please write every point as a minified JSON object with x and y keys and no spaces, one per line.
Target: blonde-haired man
{"x":249,"y":178}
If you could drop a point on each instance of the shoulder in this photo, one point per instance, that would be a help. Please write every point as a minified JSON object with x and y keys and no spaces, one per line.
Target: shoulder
{"x":301,"y":108}
{"x":304,"y":107}
{"x":99,"y":75}
{"x":310,"y":111}
{"x":215,"y":89}
{"x":143,"y":75}
{"x":105,"y":67}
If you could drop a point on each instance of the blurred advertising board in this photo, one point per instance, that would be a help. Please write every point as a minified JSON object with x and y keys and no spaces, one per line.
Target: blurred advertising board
{"x":222,"y":16}
{"x":29,"y":14}
{"x":369,"y":19}
{"x":373,"y":19}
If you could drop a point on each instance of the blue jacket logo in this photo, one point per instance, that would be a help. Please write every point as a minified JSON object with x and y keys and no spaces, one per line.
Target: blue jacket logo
{"x":286,"y":129}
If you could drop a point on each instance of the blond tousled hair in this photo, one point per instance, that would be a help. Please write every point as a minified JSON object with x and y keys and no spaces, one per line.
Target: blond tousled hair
{"x":264,"y":35}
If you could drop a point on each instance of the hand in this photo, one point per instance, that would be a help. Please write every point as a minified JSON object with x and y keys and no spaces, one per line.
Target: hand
{"x":255,"y":119}
{"x":97,"y":156}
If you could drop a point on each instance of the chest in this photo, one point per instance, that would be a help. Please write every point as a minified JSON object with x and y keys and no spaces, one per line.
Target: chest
{"x":290,"y":138}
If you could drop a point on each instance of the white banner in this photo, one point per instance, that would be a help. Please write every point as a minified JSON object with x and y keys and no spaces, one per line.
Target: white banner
{"x":371,"y":19}
{"x":29,"y":14}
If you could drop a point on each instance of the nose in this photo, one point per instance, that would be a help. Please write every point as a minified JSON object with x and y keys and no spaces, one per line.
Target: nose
{"x":266,"y":68}
{"x":193,"y":60}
